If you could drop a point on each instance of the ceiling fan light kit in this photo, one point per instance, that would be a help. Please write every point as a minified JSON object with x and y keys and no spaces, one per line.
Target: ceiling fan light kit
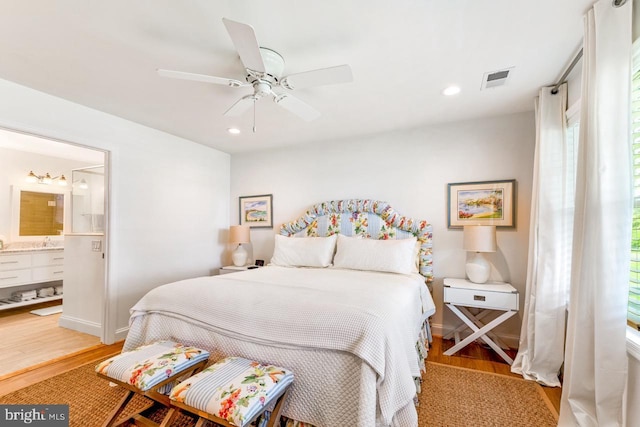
{"x":264,"y":68}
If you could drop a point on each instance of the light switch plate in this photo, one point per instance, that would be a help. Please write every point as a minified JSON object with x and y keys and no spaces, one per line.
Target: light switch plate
{"x":96,"y":245}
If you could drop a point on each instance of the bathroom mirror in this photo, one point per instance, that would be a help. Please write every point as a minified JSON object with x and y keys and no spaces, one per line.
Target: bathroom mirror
{"x":38,"y":212}
{"x":41,"y":214}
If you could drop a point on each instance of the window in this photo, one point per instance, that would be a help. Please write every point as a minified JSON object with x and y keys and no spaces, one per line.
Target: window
{"x":633,"y":312}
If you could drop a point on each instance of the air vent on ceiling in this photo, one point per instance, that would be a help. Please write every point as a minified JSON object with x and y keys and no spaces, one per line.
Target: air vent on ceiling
{"x":496,"y":78}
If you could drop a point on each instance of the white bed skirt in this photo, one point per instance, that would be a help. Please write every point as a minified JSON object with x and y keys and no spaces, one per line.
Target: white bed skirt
{"x":331,"y":388}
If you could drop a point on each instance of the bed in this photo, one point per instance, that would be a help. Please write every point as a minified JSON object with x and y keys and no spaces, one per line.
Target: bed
{"x":339,"y":305}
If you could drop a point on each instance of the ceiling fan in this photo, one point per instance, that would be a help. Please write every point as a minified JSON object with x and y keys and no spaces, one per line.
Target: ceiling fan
{"x":264,"y":68}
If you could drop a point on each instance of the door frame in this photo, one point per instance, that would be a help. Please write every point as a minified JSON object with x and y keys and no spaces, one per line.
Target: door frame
{"x":107,"y":332}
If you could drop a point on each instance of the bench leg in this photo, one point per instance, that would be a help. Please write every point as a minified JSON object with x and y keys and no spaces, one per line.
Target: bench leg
{"x":168,"y":419}
{"x":275,"y":414}
{"x":118,"y":409}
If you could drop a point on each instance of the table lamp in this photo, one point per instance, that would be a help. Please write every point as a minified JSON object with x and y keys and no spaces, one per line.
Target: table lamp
{"x":239,"y":234}
{"x":479,"y":239}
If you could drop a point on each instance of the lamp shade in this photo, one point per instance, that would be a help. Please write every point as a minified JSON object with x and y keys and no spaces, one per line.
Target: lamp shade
{"x":479,"y":238}
{"x":239,"y":234}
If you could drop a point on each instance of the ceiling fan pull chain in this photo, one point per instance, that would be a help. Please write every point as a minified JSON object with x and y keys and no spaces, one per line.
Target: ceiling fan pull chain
{"x":254,"y":115}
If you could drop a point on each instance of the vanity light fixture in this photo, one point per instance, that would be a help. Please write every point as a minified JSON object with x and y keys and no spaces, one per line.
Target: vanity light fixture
{"x":451,"y":90}
{"x":46,"y":179}
{"x":83,"y":184}
{"x":233,"y":131}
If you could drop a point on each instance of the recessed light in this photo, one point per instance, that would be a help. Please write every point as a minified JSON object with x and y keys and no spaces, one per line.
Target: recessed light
{"x":233,"y":131}
{"x":451,"y":90}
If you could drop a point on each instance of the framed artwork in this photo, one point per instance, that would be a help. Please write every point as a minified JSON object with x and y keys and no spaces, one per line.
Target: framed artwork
{"x":481,"y":203}
{"x":256,"y":211}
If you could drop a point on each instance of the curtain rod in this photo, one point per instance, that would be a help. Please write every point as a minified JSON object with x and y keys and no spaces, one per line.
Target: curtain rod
{"x":615,"y":3}
{"x":567,"y":72}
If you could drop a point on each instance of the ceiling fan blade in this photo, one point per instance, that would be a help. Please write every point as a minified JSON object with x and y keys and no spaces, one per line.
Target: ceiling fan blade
{"x":200,"y":78}
{"x":301,"y":109}
{"x":244,"y":39}
{"x":242,"y":105}
{"x":323,"y":76}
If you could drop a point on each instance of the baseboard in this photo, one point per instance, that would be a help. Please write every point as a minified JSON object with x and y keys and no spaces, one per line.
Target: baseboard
{"x":511,"y":340}
{"x":121,"y":333}
{"x":80,"y":325}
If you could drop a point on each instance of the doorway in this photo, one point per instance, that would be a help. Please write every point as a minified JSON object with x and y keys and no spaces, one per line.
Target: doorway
{"x":23,"y":155}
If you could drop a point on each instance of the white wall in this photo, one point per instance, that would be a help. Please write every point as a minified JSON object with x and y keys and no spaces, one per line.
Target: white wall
{"x":409,"y":169}
{"x":83,"y":277}
{"x":169,"y":196}
{"x":14,"y":167}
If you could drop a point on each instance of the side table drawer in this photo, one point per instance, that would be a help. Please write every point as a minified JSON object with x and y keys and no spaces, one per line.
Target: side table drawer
{"x":481,"y":299}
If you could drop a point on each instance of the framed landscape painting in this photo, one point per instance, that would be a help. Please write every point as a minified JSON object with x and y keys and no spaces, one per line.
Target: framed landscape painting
{"x":481,"y":203}
{"x":257,"y":211}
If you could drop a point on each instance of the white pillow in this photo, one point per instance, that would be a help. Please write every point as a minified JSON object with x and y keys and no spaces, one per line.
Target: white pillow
{"x":416,"y":257}
{"x":303,"y":251}
{"x":393,"y":256}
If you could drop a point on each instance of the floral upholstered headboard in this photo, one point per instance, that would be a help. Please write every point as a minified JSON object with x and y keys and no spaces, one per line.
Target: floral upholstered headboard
{"x":367,"y":218}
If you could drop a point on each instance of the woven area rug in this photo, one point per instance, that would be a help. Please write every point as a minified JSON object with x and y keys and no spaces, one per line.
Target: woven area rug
{"x":450,"y":397}
{"x":90,"y":398}
{"x":453,"y":396}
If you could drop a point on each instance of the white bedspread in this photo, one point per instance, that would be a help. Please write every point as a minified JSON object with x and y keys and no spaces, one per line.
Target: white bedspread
{"x":374,"y":316}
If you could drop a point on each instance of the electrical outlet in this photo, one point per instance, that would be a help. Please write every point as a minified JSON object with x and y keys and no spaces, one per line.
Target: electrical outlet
{"x":96,"y":245}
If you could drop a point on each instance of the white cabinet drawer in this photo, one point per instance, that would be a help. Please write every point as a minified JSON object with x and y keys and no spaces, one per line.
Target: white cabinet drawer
{"x":45,"y":274}
{"x":48,"y":258}
{"x":14,"y":262}
{"x":14,"y":277}
{"x":481,"y":299}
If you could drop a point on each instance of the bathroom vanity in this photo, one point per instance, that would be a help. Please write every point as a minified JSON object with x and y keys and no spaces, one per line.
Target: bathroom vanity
{"x":25,"y":268}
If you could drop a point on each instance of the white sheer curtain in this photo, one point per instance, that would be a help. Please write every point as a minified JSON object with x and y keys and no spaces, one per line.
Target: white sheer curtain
{"x":541,"y":349}
{"x":596,"y":360}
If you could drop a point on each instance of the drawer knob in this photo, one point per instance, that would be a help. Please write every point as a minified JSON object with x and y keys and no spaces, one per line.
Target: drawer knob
{"x":479,"y":297}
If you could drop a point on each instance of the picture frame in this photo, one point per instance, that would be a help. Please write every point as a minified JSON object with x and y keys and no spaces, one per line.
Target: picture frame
{"x":481,"y":203}
{"x":256,"y":211}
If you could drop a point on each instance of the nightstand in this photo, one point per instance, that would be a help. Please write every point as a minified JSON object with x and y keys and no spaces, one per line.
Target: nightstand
{"x":461,"y":294}
{"x":234,"y":269}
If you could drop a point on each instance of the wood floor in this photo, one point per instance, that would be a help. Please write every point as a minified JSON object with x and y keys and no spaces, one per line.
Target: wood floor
{"x":29,"y":340}
{"x":474,"y":356}
{"x":26,"y":377}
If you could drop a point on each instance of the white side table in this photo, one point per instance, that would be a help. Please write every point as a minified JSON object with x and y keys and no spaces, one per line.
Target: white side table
{"x":234,"y":269}
{"x":459,"y":294}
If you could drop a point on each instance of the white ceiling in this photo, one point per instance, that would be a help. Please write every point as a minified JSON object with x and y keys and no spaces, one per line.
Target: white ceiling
{"x":403,"y":54}
{"x":32,"y":144}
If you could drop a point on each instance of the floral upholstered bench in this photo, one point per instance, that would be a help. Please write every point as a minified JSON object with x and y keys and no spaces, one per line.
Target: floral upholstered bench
{"x":234,"y":392}
{"x":151,"y":370}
